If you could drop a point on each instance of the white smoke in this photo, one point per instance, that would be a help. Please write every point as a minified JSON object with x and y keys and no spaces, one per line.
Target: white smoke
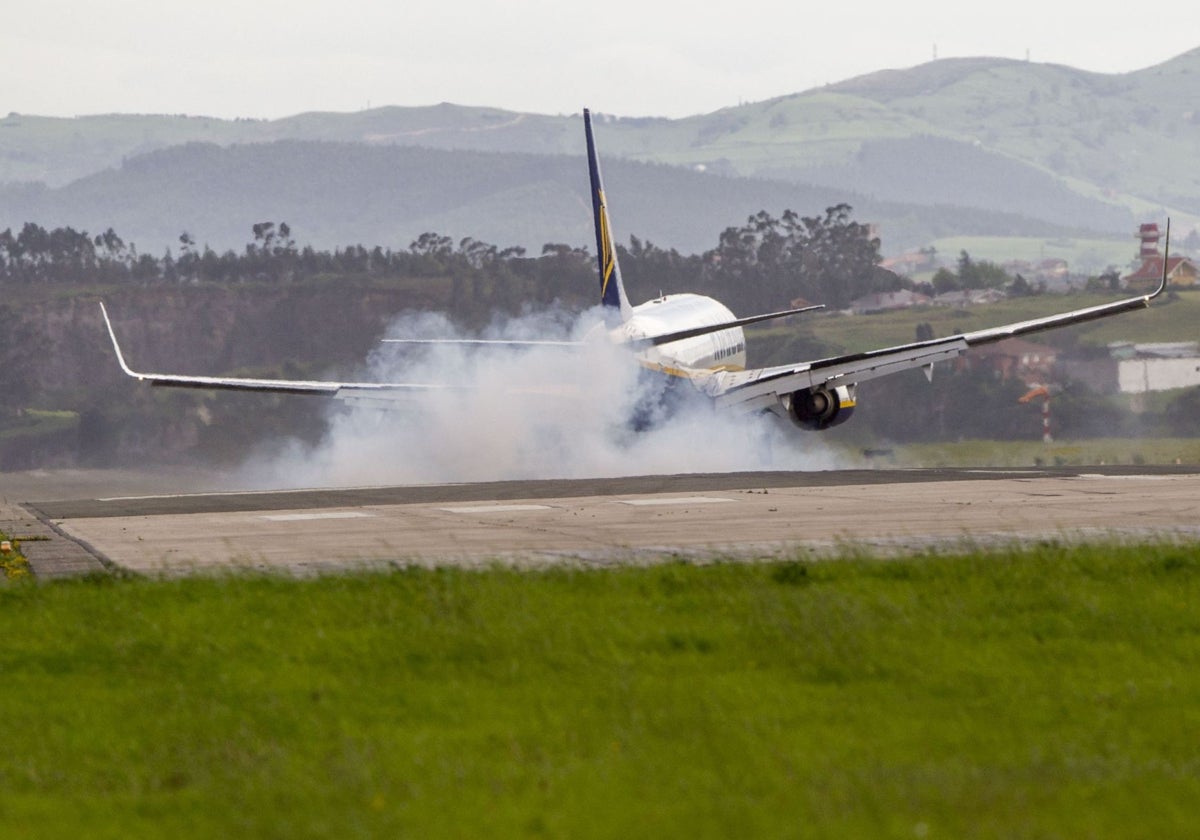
{"x":522,"y":412}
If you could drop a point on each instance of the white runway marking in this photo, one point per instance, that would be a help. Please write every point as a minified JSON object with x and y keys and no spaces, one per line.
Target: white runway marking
{"x":1094,"y":476}
{"x":687,"y":500}
{"x":306,"y":517}
{"x":495,"y":508}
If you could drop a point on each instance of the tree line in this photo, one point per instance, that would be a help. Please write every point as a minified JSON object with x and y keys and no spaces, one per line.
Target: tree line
{"x":763,"y":264}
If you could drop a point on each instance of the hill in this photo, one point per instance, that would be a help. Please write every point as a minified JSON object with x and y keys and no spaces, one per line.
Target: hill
{"x":334,"y":194}
{"x":1044,"y":142}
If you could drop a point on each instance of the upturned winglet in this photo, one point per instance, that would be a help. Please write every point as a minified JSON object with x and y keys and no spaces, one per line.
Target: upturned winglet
{"x":1162,"y":285}
{"x":117,"y":347}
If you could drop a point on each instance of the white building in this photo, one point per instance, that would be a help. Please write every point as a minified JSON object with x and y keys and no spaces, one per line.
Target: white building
{"x":1156,"y":367}
{"x":1140,"y":368}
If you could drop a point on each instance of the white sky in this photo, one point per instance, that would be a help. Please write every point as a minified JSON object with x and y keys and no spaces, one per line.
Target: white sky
{"x":270,"y":58}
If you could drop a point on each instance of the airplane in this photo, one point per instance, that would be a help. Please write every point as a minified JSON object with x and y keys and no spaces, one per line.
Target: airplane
{"x":696,"y":339}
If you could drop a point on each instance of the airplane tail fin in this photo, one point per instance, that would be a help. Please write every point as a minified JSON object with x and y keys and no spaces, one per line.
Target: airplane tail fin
{"x":612,"y":290}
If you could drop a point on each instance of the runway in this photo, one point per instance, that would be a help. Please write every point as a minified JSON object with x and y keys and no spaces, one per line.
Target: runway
{"x":628,"y":520}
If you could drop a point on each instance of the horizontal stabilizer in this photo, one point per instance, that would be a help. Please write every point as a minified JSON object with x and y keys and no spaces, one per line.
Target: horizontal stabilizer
{"x":708,"y":329}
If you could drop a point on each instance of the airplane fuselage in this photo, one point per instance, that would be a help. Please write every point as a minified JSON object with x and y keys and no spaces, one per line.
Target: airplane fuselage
{"x":722,"y":350}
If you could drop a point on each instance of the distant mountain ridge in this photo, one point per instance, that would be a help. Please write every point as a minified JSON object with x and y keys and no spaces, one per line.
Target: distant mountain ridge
{"x":1018,"y":142}
{"x":338,"y":194}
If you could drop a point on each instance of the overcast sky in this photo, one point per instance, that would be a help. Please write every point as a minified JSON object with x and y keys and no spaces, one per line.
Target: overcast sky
{"x":270,"y":58}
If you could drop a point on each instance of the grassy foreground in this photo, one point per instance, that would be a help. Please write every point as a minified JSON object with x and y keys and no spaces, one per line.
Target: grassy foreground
{"x":1053,"y":692}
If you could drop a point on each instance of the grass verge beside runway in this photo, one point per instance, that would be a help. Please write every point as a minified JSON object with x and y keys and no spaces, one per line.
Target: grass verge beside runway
{"x":1074,"y":453}
{"x":1052,"y":691}
{"x":13,"y":564}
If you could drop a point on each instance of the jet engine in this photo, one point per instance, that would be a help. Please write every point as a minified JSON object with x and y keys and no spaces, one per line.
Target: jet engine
{"x":819,"y":408}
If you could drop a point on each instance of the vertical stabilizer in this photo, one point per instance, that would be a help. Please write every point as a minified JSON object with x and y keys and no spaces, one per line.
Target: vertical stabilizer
{"x":612,"y":290}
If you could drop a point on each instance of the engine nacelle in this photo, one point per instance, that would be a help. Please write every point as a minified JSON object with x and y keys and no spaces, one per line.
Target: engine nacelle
{"x":819,"y":408}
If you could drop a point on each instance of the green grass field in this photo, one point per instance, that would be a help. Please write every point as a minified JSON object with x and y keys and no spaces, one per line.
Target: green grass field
{"x":1018,"y":453}
{"x":1052,"y":692}
{"x":1165,"y":320}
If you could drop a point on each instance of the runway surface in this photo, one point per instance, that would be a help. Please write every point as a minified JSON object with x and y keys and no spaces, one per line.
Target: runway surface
{"x":629,"y":520}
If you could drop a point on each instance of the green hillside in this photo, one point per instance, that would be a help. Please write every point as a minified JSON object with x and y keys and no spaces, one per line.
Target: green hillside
{"x":1045,"y":143}
{"x":1123,"y":137}
{"x":337,"y":194}
{"x":56,"y":151}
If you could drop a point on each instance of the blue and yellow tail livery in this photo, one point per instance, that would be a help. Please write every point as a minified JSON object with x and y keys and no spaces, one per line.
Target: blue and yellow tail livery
{"x":612,"y":290}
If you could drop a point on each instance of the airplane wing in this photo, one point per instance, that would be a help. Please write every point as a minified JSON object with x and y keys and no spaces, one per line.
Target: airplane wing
{"x":759,"y":388}
{"x":340,"y":390}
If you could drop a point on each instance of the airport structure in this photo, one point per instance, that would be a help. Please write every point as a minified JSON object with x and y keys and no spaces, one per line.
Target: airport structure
{"x":1131,"y":368}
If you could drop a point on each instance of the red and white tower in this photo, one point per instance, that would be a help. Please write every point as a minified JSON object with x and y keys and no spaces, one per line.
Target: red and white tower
{"x":1149,"y":235}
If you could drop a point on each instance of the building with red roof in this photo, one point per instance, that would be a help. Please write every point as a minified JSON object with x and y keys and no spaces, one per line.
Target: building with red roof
{"x":1181,"y":272}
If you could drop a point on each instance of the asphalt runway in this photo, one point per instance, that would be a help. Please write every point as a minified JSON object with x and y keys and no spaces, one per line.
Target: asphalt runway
{"x":629,"y":520}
